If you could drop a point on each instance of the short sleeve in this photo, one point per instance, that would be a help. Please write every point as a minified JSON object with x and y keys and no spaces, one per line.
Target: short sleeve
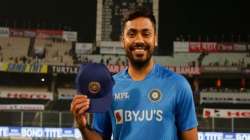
{"x":102,"y":124}
{"x":185,"y":108}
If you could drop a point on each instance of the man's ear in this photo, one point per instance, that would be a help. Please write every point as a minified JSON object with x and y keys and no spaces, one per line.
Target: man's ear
{"x":122,"y":40}
{"x":156,"y":40}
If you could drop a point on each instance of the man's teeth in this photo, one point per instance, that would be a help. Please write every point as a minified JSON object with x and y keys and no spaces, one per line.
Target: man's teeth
{"x":139,"y":50}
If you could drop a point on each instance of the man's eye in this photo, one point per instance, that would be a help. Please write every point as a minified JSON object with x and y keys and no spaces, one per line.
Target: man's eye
{"x":131,"y":34}
{"x":147,"y":34}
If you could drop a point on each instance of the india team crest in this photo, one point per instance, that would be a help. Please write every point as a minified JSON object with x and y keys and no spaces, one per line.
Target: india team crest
{"x":155,"y":95}
{"x":94,"y":87}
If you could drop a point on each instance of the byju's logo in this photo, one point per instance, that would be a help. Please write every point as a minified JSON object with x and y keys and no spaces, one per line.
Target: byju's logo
{"x":118,"y":116}
{"x":122,"y":116}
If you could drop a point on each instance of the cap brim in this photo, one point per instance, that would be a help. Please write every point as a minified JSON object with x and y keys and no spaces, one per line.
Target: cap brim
{"x":102,"y":104}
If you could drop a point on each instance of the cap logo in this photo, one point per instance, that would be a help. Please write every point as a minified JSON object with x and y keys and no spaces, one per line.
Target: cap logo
{"x":94,"y":87}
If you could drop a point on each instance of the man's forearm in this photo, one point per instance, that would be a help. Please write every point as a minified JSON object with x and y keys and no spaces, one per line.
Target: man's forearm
{"x":88,"y":134}
{"x":190,"y":134}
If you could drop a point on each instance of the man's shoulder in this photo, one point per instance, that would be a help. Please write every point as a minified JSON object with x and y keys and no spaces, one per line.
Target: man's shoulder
{"x":165,"y":73}
{"x":119,"y":75}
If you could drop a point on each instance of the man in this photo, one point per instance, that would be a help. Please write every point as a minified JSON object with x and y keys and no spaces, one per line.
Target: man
{"x":149,"y":101}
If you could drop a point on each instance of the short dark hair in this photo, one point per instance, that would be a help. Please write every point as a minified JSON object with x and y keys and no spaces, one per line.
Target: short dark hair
{"x":139,"y":11}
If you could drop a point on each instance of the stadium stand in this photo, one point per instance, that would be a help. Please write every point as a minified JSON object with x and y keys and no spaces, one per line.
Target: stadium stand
{"x":226,"y":59}
{"x":55,"y":52}
{"x":14,"y":48}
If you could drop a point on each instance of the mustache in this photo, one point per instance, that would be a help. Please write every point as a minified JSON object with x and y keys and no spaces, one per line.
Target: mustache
{"x":139,"y":46}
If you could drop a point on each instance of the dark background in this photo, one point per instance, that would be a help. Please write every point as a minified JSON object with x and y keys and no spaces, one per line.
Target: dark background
{"x":207,"y":20}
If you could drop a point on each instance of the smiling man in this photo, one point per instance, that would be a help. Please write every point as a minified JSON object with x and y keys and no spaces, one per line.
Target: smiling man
{"x":150,"y":102}
{"x":139,"y":41}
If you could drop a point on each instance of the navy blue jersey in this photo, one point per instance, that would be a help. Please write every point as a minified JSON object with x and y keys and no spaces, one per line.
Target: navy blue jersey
{"x":156,"y":108}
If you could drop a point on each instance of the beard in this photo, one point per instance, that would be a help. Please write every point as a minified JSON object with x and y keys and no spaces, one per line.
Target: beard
{"x":139,"y":61}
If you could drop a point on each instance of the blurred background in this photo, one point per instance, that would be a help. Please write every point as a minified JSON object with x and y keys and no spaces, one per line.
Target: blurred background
{"x":42,"y":44}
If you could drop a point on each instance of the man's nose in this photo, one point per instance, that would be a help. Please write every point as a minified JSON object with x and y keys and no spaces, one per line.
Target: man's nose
{"x":139,"y":39}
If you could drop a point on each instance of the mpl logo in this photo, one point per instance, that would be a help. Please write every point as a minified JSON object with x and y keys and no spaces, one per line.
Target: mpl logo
{"x":121,"y":96}
{"x":118,"y":116}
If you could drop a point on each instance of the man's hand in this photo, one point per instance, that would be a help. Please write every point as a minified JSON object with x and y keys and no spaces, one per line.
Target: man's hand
{"x":79,"y":106}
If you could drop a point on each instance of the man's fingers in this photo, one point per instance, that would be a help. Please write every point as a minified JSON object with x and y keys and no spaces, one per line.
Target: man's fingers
{"x":78,"y":107}
{"x":83,"y":109}
{"x":79,"y":103}
{"x":80,"y":96}
{"x":78,"y":99}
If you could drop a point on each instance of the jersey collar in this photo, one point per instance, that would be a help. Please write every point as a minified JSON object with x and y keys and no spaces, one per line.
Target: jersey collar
{"x":154,"y":69}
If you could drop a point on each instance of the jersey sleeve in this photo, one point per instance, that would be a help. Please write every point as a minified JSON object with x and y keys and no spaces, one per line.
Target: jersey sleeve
{"x":101,"y":123}
{"x":185,"y":108}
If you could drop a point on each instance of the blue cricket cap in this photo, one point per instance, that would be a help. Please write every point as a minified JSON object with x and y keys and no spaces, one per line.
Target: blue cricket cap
{"x":95,"y":81}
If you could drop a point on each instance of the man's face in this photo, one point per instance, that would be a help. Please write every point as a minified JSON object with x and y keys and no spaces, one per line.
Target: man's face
{"x":139,"y":41}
